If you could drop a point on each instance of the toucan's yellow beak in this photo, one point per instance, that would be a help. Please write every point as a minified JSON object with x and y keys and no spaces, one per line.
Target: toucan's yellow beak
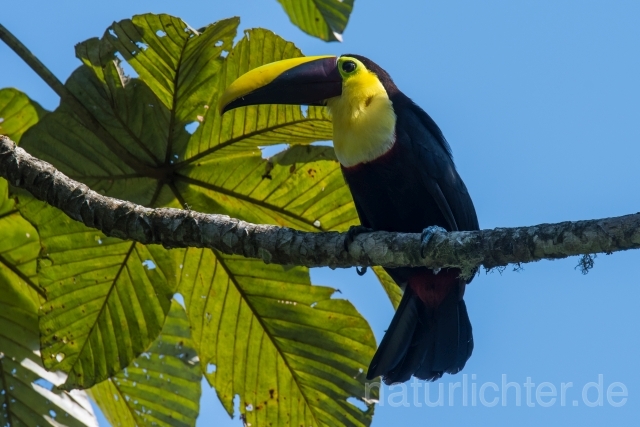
{"x":308,"y":80}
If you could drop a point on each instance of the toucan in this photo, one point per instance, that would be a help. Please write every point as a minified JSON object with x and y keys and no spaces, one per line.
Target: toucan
{"x":401,"y":174}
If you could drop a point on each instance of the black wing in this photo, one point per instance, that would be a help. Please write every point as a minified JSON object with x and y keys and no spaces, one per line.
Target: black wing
{"x":433,"y":162}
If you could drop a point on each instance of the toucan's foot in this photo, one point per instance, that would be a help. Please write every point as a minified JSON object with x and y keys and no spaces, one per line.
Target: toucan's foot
{"x":353,"y":232}
{"x":427,"y":234}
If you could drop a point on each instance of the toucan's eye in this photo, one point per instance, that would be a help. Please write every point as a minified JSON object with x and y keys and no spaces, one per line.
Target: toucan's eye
{"x":349,"y":66}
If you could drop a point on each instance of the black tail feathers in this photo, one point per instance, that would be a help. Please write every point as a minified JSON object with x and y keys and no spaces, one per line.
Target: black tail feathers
{"x":424,"y":342}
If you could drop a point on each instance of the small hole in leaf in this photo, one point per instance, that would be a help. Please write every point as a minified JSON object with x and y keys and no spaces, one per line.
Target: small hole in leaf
{"x":112,"y":33}
{"x":305,"y":110}
{"x":224,"y":53}
{"x":44,"y":383}
{"x":1,"y":119}
{"x":236,"y":404}
{"x":142,"y":46}
{"x":219,"y":43}
{"x":211,"y":368}
{"x":358,"y":403}
{"x":272,"y":150}
{"x":160,"y":33}
{"x":126,"y":68}
{"x":149,"y":264}
{"x":52,"y":413}
{"x":179,"y":299}
{"x":191,"y":127}
{"x":60,"y":357}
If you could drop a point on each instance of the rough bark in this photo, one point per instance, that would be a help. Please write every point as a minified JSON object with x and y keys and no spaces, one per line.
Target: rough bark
{"x":174,"y":228}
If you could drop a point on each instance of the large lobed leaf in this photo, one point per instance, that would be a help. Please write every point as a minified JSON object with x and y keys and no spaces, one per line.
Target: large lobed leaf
{"x":292,"y":354}
{"x":325,"y":19}
{"x":28,"y":393}
{"x":107,"y":299}
{"x":162,"y":386}
{"x":140,"y":151}
{"x":137,"y":148}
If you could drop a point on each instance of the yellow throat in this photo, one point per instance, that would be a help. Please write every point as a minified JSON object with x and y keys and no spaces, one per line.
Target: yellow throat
{"x":363,"y":117}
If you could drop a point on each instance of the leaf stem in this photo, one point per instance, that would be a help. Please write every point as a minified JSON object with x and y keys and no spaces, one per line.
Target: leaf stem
{"x":85,"y":116}
{"x":36,"y":65}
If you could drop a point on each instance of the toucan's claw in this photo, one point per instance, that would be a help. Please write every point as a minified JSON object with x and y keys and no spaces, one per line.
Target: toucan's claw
{"x":353,"y":232}
{"x":427,"y":234}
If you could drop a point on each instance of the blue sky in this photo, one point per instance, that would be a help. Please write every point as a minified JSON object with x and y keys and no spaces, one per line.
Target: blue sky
{"x":540,"y":102}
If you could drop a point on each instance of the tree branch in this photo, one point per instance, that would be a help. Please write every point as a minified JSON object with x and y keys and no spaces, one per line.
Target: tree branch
{"x":175,"y":228}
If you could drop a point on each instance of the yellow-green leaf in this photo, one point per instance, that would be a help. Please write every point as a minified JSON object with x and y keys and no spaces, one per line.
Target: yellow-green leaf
{"x":309,"y":195}
{"x":28,"y":393}
{"x":293,"y":354}
{"x":19,"y":243}
{"x":143,"y":145}
{"x":161,"y":387}
{"x":19,"y":247}
{"x":325,"y":19}
{"x":17,"y":113}
{"x":242,"y":129}
{"x":106,"y":298}
{"x":138,"y":147}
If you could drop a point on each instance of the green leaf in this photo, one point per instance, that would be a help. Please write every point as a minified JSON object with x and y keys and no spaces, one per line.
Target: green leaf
{"x":162,"y":386}
{"x":19,"y":244}
{"x":28,"y":393}
{"x":106,"y":298}
{"x":309,"y":196}
{"x":293,"y":354}
{"x":392,"y":290}
{"x":325,"y":19}
{"x":141,"y":147}
{"x":243,"y":129}
{"x":138,"y":148}
{"x":17,"y":113}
